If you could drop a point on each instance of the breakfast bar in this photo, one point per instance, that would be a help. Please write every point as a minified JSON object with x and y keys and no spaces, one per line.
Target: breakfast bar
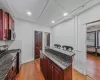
{"x":56,"y":64}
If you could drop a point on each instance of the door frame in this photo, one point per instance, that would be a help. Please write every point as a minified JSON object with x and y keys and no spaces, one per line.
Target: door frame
{"x":87,"y":25}
{"x":50,"y":37}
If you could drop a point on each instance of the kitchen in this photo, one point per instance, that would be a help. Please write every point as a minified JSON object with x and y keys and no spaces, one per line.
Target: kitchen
{"x":64,"y":20}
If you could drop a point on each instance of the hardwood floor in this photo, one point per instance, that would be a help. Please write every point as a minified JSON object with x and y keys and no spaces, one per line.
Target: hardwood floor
{"x":31,"y":71}
{"x":93,"y":63}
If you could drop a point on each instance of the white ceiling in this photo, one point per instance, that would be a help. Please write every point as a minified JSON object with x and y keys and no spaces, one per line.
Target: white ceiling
{"x":1,"y":3}
{"x":43,"y":11}
{"x":51,"y":12}
{"x":2,"y":6}
{"x":70,"y":5}
{"x":20,"y":7}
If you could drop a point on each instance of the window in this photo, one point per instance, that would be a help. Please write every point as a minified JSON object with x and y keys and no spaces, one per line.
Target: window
{"x":91,"y":39}
{"x":98,"y":38}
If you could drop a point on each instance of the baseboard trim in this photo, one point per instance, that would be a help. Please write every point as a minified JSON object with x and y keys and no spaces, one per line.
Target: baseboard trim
{"x":27,"y":61}
{"x":79,"y":70}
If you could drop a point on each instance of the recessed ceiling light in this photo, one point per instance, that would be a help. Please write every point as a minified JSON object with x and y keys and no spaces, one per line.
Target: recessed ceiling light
{"x":29,"y":13}
{"x":65,"y":14}
{"x":53,"y":21}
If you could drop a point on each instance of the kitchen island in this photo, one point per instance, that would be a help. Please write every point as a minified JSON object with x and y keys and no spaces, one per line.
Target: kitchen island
{"x":56,"y":64}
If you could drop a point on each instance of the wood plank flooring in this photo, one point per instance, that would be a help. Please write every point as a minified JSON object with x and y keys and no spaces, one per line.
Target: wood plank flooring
{"x":31,"y":71}
{"x":93,"y":63}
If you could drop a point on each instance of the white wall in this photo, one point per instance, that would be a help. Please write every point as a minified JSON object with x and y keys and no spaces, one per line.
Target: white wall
{"x":92,"y":14}
{"x":25,"y":38}
{"x":25,"y":33}
{"x":69,"y":33}
{"x":63,"y":34}
{"x":2,"y":43}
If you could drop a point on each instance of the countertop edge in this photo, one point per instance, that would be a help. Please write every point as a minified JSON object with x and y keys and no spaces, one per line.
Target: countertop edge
{"x":57,"y":63}
{"x":10,"y":52}
{"x":63,"y":51}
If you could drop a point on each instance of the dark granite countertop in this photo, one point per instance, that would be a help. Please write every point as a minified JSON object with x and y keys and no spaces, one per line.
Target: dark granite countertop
{"x":60,"y":59}
{"x":60,"y":62}
{"x":69,"y":53}
{"x":6,"y":61}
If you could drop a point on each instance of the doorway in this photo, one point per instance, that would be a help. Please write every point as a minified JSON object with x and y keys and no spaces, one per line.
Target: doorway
{"x":47,"y":39}
{"x":93,"y":50}
{"x":38,"y":44}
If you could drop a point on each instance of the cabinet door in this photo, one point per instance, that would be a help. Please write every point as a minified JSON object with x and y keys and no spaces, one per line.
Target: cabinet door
{"x":11,"y":33}
{"x":14,"y":67}
{"x":42,"y":63}
{"x":45,"y":67}
{"x":9,"y":75}
{"x":5,"y":26}
{"x":10,"y":22}
{"x":57,"y":73}
{"x":49,"y":70}
{"x":1,"y":24}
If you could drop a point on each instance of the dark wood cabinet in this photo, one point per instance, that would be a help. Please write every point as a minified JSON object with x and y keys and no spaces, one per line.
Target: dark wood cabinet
{"x":6,"y":24}
{"x":1,"y":24}
{"x":12,"y":72}
{"x":11,"y":28}
{"x":11,"y":75}
{"x":53,"y":72}
{"x":43,"y":65}
{"x":49,"y":70}
{"x":57,"y":73}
